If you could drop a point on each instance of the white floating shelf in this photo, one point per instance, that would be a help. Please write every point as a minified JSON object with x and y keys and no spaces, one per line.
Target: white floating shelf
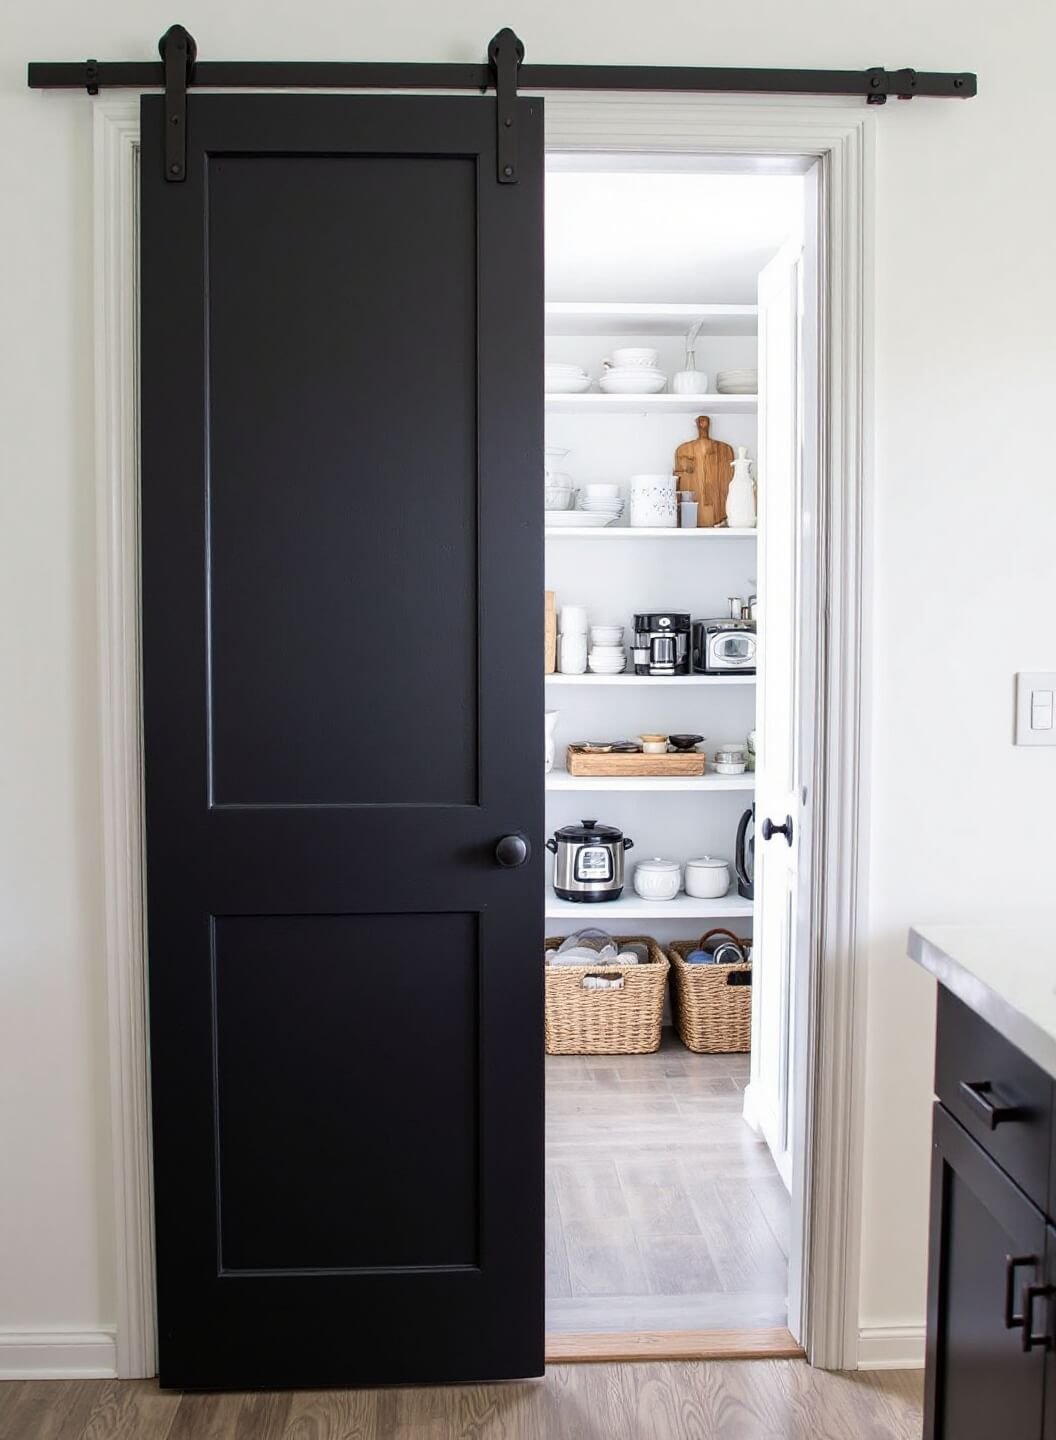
{"x":601,"y":318}
{"x":560,"y":780}
{"x":630,"y":532}
{"x":591,"y":404}
{"x":627,"y":681}
{"x":633,"y":907}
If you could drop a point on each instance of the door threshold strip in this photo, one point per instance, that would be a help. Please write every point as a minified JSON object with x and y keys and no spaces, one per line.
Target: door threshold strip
{"x":577,"y":1349}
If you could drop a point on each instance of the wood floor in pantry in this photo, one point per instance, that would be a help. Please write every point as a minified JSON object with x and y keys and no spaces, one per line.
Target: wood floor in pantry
{"x":730,"y":1400}
{"x":664,"y":1211}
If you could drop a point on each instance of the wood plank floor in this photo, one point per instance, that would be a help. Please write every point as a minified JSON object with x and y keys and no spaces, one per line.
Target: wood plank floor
{"x":664,"y":1211}
{"x":729,"y":1400}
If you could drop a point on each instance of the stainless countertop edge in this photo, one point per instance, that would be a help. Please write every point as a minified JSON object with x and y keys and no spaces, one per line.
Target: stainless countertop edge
{"x":1019,"y":1029}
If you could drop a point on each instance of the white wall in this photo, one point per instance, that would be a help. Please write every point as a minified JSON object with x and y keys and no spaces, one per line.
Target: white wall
{"x":965,"y":511}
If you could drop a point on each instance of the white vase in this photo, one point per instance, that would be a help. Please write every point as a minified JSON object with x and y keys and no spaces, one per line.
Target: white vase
{"x":740,"y":499}
{"x":551,"y":721}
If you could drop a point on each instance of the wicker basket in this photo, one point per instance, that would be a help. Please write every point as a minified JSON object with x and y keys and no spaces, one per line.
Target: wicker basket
{"x":712,"y":1006}
{"x":606,"y":1022}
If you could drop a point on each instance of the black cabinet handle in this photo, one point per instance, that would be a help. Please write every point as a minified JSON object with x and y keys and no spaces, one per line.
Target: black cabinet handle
{"x":1012,"y":1264}
{"x":1032,"y":1340}
{"x":977,"y":1095}
{"x":512,"y":850}
{"x":770,"y":829}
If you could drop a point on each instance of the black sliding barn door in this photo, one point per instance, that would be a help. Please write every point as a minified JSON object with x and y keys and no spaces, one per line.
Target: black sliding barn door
{"x":342,"y":577}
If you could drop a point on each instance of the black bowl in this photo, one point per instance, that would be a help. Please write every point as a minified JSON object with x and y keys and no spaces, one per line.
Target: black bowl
{"x":685,"y":742}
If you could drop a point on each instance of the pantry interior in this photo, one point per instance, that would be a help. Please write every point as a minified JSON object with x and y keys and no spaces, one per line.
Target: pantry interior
{"x":665,"y":1209}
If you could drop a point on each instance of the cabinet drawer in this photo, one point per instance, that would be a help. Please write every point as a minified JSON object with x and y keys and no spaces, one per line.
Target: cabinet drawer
{"x":1000,"y":1097}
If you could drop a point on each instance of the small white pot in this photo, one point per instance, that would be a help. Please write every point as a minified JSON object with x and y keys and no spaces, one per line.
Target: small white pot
{"x":657,"y":879}
{"x":707,"y":878}
{"x":690,"y":382}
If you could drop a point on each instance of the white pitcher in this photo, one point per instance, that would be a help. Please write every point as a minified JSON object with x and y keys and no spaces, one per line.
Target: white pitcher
{"x":740,"y":499}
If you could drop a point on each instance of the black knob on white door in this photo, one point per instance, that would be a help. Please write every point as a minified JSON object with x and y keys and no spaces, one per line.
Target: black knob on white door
{"x":512,"y":850}
{"x":770,"y":829}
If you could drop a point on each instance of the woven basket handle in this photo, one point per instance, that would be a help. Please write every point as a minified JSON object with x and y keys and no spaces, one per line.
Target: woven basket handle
{"x":721,"y":930}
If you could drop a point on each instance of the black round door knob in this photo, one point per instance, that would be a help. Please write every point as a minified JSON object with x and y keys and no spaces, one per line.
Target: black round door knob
{"x":512,"y":850}
{"x":769,"y":829}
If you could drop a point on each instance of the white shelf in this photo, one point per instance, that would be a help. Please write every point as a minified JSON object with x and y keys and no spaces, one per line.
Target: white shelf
{"x":632,"y":907}
{"x":601,"y":318}
{"x":629,"y":532}
{"x":627,"y":681}
{"x":561,"y":780}
{"x":591,"y":404}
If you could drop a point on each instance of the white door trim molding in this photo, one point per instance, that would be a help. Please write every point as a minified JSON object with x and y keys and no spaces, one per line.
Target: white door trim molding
{"x":117,"y":530}
{"x":840,"y":134}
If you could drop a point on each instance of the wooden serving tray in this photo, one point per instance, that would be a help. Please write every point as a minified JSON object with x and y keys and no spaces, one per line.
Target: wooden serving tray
{"x":593,"y":763}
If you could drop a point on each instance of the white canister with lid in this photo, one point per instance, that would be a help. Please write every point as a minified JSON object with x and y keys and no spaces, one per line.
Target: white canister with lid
{"x":707,"y":877}
{"x":654,"y":502}
{"x":658,"y":879}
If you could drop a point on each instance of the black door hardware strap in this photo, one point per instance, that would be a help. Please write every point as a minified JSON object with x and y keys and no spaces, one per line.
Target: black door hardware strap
{"x":503,"y":71}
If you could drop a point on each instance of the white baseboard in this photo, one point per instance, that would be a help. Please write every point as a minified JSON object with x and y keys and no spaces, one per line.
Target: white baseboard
{"x":891,"y":1347}
{"x":57,"y":1355}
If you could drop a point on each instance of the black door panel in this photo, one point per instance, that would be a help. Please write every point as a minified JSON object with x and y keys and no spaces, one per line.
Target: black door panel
{"x":342,"y":571}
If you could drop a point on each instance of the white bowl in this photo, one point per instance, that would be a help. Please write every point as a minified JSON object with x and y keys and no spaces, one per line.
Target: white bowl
{"x":566,"y":385}
{"x":557,"y":499}
{"x":635,"y":357}
{"x":632,"y":382}
{"x":606,"y":634}
{"x":724,"y":769}
{"x":598,"y":491}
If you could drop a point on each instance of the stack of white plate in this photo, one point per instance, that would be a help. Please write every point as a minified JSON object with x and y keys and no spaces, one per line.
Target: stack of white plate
{"x":565,"y":379}
{"x":632,"y":371}
{"x":737,"y":382}
{"x":607,"y":659}
{"x":633,"y":380}
{"x":601,"y":499}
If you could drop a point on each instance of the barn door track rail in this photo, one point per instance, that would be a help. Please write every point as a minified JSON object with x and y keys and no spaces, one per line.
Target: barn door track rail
{"x":504,"y":72}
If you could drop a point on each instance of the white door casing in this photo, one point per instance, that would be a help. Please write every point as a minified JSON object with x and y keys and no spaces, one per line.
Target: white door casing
{"x":753,"y":132}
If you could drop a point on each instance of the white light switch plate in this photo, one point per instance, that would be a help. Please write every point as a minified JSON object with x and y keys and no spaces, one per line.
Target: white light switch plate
{"x":1036,"y":707}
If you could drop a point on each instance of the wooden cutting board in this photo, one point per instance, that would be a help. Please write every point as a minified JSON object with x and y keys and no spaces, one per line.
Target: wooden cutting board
{"x":705,"y":467}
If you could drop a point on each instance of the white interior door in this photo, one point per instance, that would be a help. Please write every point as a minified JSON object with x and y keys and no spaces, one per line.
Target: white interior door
{"x":779,"y":783}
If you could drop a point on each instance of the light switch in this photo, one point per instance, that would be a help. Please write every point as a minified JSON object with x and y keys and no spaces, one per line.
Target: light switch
{"x":1035,"y":704}
{"x":1041,"y":710}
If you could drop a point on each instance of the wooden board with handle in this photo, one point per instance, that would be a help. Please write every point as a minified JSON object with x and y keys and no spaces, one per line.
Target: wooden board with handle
{"x":705,"y":467}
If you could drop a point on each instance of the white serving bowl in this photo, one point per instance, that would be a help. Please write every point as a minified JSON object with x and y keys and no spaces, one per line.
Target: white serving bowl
{"x":632,"y":382}
{"x":557,"y":498}
{"x":601,"y":491}
{"x":606,"y":634}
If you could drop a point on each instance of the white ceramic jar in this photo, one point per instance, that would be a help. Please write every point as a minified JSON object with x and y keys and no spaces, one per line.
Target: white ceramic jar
{"x":657,"y":879}
{"x":654,"y":502}
{"x":707,"y":877}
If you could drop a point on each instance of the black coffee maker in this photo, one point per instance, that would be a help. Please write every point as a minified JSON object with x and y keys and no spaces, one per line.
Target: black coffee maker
{"x":661,"y":642}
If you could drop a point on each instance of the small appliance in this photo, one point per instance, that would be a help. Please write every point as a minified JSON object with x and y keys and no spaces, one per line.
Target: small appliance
{"x":588,"y":861}
{"x":722,"y":646}
{"x":744,"y":855}
{"x":661,"y":642}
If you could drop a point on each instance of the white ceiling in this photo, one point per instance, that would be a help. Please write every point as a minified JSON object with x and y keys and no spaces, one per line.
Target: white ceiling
{"x":671,"y":237}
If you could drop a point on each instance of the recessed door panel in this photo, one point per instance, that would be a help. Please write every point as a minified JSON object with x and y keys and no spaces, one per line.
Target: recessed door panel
{"x":380,"y":1014}
{"x":342,"y":433}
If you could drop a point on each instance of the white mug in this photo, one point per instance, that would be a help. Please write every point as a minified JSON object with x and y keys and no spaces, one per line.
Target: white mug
{"x":573,"y":620}
{"x":689,"y":382}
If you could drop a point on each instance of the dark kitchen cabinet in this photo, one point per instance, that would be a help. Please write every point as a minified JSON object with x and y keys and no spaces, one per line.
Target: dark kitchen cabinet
{"x":991,"y":1369}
